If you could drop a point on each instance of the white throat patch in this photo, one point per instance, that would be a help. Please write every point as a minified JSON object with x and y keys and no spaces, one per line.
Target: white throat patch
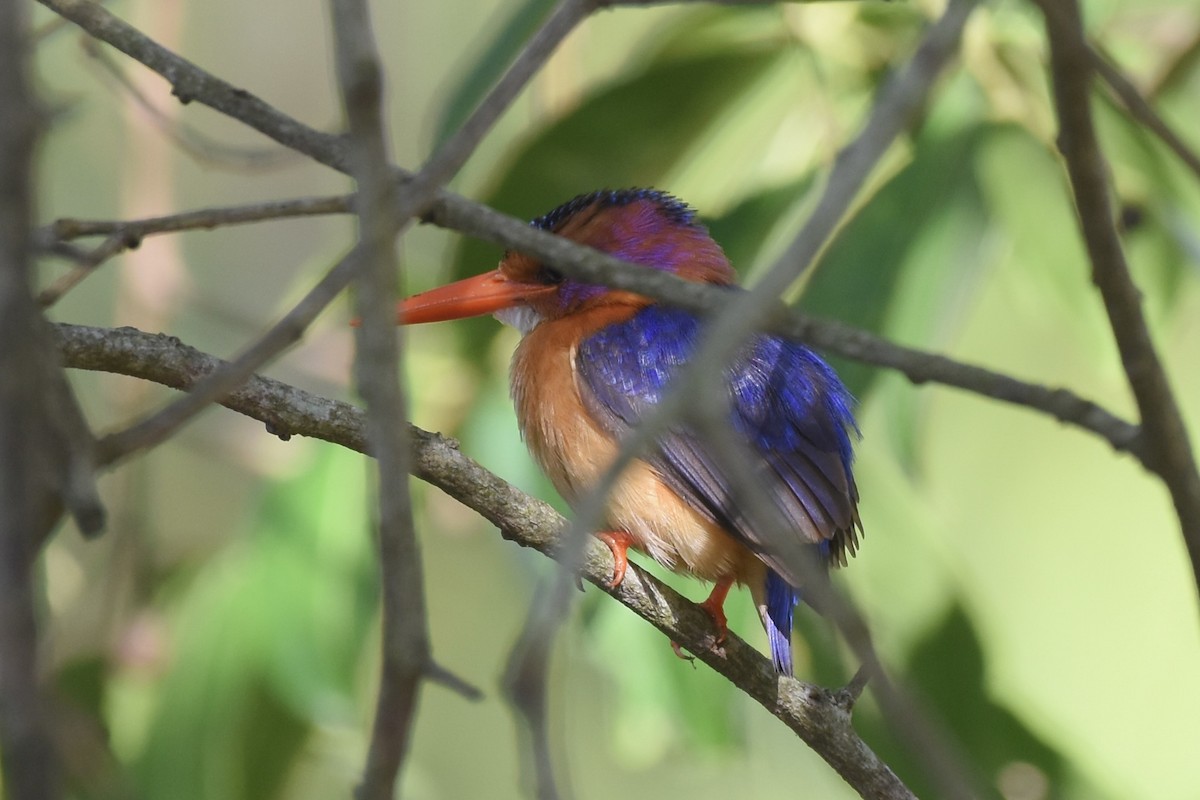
{"x":523,"y":318}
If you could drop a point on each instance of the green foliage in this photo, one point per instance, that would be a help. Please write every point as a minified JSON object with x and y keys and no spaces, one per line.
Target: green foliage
{"x":575,"y":154}
{"x":268,"y":645}
{"x":486,"y":69}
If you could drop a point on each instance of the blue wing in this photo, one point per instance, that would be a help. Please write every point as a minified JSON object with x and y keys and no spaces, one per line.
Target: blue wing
{"x":786,"y":405}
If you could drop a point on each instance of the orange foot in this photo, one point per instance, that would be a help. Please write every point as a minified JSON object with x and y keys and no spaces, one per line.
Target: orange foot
{"x":618,"y":542}
{"x":714,"y":606}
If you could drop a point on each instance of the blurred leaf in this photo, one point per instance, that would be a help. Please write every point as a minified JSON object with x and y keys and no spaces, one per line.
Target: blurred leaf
{"x":1153,"y":194}
{"x":82,"y":682}
{"x":666,"y":700}
{"x":857,"y":279}
{"x":589,"y":148}
{"x":744,"y":229}
{"x":272,"y":734}
{"x":1039,"y":225}
{"x":818,"y":656}
{"x":266,"y":642}
{"x":705,"y":29}
{"x":947,"y":672}
{"x":491,"y":64}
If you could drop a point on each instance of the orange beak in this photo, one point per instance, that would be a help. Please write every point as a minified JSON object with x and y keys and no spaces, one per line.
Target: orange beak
{"x":470,"y":297}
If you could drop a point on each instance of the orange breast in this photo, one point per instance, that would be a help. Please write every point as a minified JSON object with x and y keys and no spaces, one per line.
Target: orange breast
{"x":574,"y":452}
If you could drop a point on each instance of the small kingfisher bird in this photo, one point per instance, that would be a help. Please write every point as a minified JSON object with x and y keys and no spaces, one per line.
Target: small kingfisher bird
{"x":592,"y":360}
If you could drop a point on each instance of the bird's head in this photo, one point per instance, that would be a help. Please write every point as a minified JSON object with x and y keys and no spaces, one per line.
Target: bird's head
{"x":642,"y":226}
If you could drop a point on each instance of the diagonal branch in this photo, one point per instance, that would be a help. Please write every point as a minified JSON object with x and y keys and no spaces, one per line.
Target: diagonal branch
{"x":818,"y":716}
{"x":1168,"y":449}
{"x":1141,"y":111}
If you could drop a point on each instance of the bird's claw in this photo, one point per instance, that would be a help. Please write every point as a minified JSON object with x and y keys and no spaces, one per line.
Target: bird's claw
{"x":684,"y":656}
{"x":618,"y":544}
{"x":714,"y":606}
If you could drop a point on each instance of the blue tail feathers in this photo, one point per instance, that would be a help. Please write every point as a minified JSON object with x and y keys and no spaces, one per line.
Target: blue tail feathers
{"x":781,"y":602}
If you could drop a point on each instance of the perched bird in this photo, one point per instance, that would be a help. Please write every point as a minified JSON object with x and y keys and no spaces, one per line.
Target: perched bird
{"x":592,"y":360}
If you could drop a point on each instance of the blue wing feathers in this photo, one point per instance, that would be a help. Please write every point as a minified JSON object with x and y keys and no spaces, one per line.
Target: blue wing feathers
{"x":781,"y":603}
{"x":787,"y":405}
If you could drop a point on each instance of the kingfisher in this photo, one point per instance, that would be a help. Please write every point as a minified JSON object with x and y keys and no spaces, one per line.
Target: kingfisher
{"x":593,"y":360}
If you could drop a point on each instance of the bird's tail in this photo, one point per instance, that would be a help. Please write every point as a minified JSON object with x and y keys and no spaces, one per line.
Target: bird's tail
{"x":777,"y":619}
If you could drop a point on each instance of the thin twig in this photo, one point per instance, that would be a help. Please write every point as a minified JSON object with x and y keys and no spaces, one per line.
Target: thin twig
{"x":128,"y":234}
{"x":200,"y":147}
{"x":68,"y":229}
{"x":1140,"y":110}
{"x":818,"y":716}
{"x":1168,"y":449}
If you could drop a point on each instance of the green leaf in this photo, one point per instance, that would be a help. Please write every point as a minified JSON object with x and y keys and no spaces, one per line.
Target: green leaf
{"x":267,"y":644}
{"x":948,"y":674}
{"x":861,"y":274}
{"x":492,"y":62}
{"x":591,"y":148}
{"x":745,"y":229}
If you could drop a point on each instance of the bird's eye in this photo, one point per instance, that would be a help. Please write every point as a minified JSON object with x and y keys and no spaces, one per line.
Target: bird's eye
{"x":549,"y":275}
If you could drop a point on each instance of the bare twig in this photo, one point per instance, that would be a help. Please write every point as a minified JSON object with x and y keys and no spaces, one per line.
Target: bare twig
{"x":128,"y":234}
{"x":816,"y":715}
{"x":67,"y":229}
{"x":1168,"y":449}
{"x":405,"y":646}
{"x":1140,"y":110}
{"x":197,"y":145}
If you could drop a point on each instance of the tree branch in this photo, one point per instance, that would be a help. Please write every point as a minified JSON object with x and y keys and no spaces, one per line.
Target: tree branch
{"x":818,"y":716}
{"x":1140,"y":110}
{"x":405,"y":641}
{"x":1168,"y":449}
{"x":45,"y":447}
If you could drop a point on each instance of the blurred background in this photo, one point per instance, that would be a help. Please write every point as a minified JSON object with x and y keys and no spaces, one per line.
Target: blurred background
{"x":221,"y":640}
